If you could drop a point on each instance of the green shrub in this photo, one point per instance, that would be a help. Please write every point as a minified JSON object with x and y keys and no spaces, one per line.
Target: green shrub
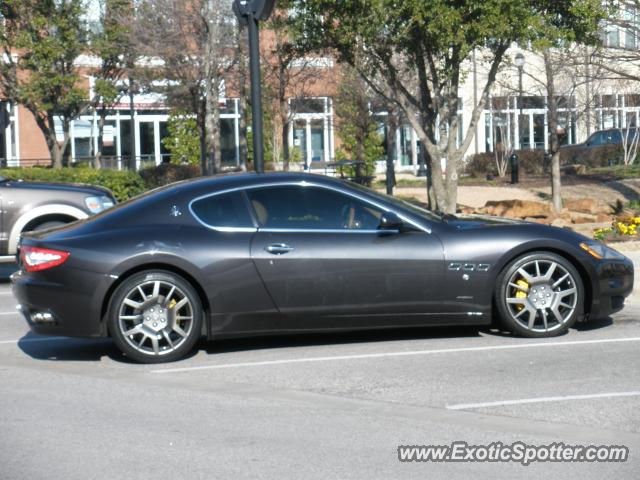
{"x":123,"y":184}
{"x":167,"y":173}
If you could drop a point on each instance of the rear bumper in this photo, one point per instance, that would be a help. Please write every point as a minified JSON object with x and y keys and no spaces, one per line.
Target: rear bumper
{"x":51,"y":308}
{"x":613,"y":283}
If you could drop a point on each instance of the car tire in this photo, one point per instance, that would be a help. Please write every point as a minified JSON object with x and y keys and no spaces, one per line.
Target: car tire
{"x":155,"y":317}
{"x":539,"y":295}
{"x":47,"y":225}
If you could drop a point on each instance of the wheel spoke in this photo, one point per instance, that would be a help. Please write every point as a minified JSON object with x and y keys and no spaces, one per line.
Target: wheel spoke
{"x":137,"y":329}
{"x":544,"y":319}
{"x":532,"y":319}
{"x":517,"y":301}
{"x":132,"y":304}
{"x":130,"y":317}
{"x":155,"y":343}
{"x":556,"y":313}
{"x":566,"y":293}
{"x":168,"y":338}
{"x":180,"y":304}
{"x":524,"y":274}
{"x":156,"y":290}
{"x":560,"y":280}
{"x":178,"y":329}
{"x":170,"y":294}
{"x":538,"y":269}
{"x":550,"y":271}
{"x":519,"y":287}
{"x":144,"y":295}
{"x":565,"y":305}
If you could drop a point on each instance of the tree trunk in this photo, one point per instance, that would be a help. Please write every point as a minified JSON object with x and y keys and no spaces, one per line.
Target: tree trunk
{"x":284,"y":113}
{"x":392,"y":129}
{"x":202,"y":137}
{"x":213,"y":126}
{"x":554,"y":144}
{"x":102,"y":120}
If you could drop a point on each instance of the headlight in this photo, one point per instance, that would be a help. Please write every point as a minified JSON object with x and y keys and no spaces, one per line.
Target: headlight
{"x":601,"y":251}
{"x":98,"y":204}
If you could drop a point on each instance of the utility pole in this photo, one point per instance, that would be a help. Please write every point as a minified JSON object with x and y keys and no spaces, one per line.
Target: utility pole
{"x":249,"y":13}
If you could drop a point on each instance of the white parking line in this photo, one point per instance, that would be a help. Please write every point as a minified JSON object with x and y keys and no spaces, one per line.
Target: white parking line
{"x":468,"y":406}
{"x":10,"y":313}
{"x":396,"y":354}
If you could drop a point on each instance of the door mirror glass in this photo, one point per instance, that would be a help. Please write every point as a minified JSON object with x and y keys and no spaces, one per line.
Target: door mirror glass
{"x":390,"y":221}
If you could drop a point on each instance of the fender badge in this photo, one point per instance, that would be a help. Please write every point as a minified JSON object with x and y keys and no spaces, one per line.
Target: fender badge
{"x":175,"y":211}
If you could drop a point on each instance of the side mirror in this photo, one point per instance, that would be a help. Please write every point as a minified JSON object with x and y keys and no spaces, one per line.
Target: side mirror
{"x":390,"y":221}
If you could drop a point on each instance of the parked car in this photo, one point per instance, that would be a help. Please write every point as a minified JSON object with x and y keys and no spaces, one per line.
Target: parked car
{"x":257,"y":254}
{"x":602,"y":148}
{"x":27,"y":206}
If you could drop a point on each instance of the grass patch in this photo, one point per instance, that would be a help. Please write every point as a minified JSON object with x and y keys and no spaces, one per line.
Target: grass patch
{"x":617,"y":172}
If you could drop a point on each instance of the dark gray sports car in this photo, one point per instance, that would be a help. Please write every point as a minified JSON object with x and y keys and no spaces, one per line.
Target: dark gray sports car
{"x":279,"y":253}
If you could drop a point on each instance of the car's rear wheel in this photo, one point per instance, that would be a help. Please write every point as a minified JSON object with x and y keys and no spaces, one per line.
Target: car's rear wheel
{"x":539,"y":295}
{"x":49,"y":224}
{"x":155,"y":317}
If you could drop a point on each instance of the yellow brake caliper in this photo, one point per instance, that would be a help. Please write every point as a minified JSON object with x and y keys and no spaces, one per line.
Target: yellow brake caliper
{"x":522,"y":293}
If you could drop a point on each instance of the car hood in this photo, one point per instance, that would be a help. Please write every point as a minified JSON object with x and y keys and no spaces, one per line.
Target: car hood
{"x":75,"y":187}
{"x":464,"y":222}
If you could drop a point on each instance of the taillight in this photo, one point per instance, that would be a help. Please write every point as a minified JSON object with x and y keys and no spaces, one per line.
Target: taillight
{"x":36,"y":259}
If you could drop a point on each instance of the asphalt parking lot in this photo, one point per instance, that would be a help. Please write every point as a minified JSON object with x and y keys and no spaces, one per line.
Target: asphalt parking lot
{"x":324,"y":406}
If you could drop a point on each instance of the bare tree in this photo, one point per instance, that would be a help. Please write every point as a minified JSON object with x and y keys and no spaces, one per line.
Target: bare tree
{"x":502,"y":151}
{"x":289,"y":73}
{"x":194,"y":43}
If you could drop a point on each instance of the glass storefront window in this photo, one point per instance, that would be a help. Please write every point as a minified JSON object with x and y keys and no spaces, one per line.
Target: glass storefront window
{"x":83,"y":138}
{"x":317,"y":140}
{"x":147,"y":141}
{"x":228,"y":141}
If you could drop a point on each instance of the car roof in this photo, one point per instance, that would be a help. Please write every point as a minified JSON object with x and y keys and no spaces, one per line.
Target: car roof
{"x":246,"y":179}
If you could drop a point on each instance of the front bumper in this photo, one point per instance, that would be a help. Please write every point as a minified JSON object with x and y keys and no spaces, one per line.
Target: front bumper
{"x":613,"y":283}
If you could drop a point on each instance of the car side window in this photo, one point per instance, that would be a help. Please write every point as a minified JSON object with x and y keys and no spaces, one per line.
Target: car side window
{"x":596,"y":139}
{"x":224,"y":210}
{"x":311,"y":208}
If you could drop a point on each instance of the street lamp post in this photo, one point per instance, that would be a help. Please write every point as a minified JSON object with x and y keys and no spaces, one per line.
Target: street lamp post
{"x":519,"y":61}
{"x":249,"y":13}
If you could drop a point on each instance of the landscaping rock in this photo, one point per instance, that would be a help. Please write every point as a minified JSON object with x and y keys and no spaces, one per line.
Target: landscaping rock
{"x":517,"y":208}
{"x":583,"y":205}
{"x":583,"y":218}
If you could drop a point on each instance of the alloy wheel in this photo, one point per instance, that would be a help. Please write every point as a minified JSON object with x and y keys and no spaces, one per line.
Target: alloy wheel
{"x":541,"y":295}
{"x":156,"y":317}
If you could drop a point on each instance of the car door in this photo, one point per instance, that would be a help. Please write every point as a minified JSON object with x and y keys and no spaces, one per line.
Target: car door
{"x":320,"y":255}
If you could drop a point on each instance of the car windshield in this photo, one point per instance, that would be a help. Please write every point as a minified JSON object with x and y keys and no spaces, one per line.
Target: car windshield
{"x":412,"y":207}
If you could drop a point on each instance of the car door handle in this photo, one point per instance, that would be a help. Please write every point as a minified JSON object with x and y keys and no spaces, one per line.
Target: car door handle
{"x":279,"y":248}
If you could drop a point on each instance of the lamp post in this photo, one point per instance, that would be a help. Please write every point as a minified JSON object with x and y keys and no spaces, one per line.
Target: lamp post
{"x":519,"y":61}
{"x":249,"y":13}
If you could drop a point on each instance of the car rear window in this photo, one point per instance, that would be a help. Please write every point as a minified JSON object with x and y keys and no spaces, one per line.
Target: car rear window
{"x":223,"y":211}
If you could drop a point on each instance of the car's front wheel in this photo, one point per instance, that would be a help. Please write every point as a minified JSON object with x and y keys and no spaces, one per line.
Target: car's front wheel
{"x":155,"y":317}
{"x":539,"y":295}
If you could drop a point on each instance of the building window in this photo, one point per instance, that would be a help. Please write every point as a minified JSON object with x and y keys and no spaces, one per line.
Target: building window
{"x":312,"y":132}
